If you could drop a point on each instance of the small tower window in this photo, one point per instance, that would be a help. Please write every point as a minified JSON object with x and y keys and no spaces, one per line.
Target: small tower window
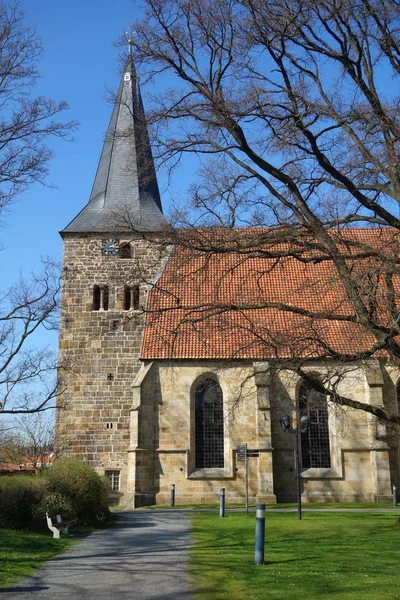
{"x":125,"y":251}
{"x":115,"y":324}
{"x":114,"y":480}
{"x":101,"y":297}
{"x":131,"y":297}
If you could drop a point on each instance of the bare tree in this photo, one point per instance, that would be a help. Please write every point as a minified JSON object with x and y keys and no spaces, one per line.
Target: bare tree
{"x":31,"y":442}
{"x":28,"y":373}
{"x":27,"y":123}
{"x":292,"y":109}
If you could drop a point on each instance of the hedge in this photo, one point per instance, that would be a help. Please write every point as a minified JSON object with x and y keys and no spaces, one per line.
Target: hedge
{"x":69,"y":487}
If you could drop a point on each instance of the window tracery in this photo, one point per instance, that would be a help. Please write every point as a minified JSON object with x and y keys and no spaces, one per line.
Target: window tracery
{"x":315,"y":447}
{"x":209,"y":425}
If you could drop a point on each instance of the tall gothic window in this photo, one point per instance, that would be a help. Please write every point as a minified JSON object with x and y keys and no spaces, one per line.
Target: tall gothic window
{"x":100,"y":297}
{"x":209,"y":425}
{"x":315,"y":449}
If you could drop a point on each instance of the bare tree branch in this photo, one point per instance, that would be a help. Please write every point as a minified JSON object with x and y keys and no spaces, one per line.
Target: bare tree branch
{"x":297,"y":135}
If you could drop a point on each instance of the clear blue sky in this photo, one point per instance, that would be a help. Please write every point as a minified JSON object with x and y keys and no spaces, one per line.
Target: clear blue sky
{"x":78,"y":65}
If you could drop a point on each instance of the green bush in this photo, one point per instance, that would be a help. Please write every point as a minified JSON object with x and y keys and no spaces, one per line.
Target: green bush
{"x":54,"y":504}
{"x":69,"y":488}
{"x":19,"y":495}
{"x":86,"y":493}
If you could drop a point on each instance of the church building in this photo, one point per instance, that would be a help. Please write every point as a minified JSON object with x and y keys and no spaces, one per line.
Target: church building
{"x":151,"y":396}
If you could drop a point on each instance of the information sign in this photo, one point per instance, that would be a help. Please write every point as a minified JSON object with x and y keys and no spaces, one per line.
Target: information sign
{"x":242,"y":452}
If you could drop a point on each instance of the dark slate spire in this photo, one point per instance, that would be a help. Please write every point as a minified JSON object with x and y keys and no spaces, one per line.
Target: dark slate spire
{"x":125,"y":194}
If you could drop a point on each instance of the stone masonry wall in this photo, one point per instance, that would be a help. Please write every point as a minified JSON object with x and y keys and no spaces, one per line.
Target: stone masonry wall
{"x":359,"y":453}
{"x":359,"y":463}
{"x":99,"y":350}
{"x":174,"y":434}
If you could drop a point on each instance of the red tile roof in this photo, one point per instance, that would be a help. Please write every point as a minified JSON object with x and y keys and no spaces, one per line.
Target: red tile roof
{"x":8,"y":467}
{"x":207,"y":305}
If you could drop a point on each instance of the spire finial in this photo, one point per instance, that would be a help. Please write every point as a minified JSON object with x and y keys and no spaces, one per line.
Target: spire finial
{"x":130,"y":42}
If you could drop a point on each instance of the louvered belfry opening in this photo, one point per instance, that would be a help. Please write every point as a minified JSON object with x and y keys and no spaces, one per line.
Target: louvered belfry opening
{"x":101,"y":297}
{"x":96,"y":297}
{"x":131,"y":297}
{"x":106,"y":297}
{"x":315,"y":447}
{"x":209,"y":425}
{"x":125,"y":250}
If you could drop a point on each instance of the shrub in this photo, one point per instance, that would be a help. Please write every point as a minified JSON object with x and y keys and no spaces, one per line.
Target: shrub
{"x":54,"y":504}
{"x":69,"y":488}
{"x":81,"y":487}
{"x":18,"y":497}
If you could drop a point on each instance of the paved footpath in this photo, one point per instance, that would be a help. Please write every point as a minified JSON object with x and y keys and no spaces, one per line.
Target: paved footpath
{"x":143,"y":557}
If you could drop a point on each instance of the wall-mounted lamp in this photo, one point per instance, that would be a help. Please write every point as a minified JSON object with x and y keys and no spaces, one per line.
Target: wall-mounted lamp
{"x":304,"y":424}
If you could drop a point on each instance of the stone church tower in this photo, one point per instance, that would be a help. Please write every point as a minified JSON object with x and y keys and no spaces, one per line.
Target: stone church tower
{"x":108,"y":262}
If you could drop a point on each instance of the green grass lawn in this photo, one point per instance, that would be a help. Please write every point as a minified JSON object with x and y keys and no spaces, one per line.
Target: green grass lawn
{"x":23,"y":552}
{"x":346,"y":556}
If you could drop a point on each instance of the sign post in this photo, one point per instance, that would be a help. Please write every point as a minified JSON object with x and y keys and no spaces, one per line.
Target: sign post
{"x":242,"y":456}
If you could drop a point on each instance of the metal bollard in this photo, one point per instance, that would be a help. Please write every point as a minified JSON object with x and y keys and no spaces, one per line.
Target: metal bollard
{"x":394,"y":495}
{"x":260,"y":534}
{"x":172,"y":494}
{"x":222,"y":502}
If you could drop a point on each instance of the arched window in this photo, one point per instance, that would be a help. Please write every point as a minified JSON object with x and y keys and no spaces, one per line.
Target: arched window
{"x":209,"y":425}
{"x":131,"y":297}
{"x":100,"y":297}
{"x":315,"y":449}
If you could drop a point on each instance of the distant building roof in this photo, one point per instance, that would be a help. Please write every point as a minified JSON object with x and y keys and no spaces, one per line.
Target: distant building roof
{"x":125,"y":194}
{"x":10,"y":468}
{"x":228,"y":305}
